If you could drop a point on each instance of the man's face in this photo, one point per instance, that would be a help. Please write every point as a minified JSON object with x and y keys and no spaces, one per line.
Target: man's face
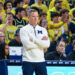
{"x":33,"y":18}
{"x":55,"y":19}
{"x":61,"y":47}
{"x":23,"y":13}
{"x":9,"y":5}
{"x":66,"y":15}
{"x":10,"y":17}
{"x":58,"y":5}
{"x":43,"y":17}
{"x":21,"y":4}
{"x":44,"y":23}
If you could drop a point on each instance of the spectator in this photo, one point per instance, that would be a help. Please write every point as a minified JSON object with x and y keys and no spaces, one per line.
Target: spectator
{"x":66,"y":36}
{"x":54,"y":26}
{"x":16,"y":41}
{"x":4,"y":50}
{"x":65,"y":4}
{"x":43,"y":16}
{"x":8,"y":6}
{"x":24,"y":13}
{"x":64,"y":15}
{"x":72,"y":24}
{"x":26,"y":5}
{"x":69,"y":47}
{"x":2,"y":14}
{"x":58,"y":54}
{"x":8,"y":28}
{"x":18,"y":21}
{"x":71,"y":56}
{"x":56,"y":8}
{"x":18,"y":3}
{"x":44,"y":23}
{"x":40,"y":6}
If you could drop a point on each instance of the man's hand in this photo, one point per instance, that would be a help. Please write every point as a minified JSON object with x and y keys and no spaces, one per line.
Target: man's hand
{"x":45,"y":38}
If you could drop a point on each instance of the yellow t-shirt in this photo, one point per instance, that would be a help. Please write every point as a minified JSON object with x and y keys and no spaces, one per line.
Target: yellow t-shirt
{"x":65,"y":4}
{"x":3,"y":1}
{"x":9,"y":32}
{"x":43,"y":7}
{"x":52,"y":28}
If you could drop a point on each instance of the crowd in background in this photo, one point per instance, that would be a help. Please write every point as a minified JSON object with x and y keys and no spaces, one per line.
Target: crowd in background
{"x":57,"y":16}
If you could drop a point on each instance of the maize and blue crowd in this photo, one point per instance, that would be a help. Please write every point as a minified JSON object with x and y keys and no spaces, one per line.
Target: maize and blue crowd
{"x":57,"y":16}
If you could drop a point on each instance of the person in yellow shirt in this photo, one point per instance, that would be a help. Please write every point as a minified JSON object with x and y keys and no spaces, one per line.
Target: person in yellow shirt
{"x":2,"y":13}
{"x":17,"y":3}
{"x":24,"y":15}
{"x":56,"y":8}
{"x":8,"y":28}
{"x":64,"y":15}
{"x":41,"y":6}
{"x":57,"y":24}
{"x":8,"y":5}
{"x":54,"y":26}
{"x":65,"y":4}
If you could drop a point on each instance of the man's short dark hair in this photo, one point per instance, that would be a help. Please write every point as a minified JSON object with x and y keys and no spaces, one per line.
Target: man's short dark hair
{"x":5,"y":4}
{"x":63,"y":10}
{"x":9,"y":14}
{"x":54,"y":14}
{"x":19,"y":9}
{"x":17,"y":2}
{"x":58,"y":42}
{"x":43,"y":14}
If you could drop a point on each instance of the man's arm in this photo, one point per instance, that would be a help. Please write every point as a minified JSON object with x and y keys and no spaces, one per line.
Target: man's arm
{"x":44,"y":42}
{"x":26,"y":40}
